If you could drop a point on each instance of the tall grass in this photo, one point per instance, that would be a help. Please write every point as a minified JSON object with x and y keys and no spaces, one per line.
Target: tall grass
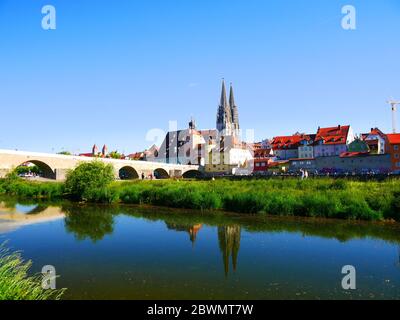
{"x":313,"y":198}
{"x":16,"y":284}
{"x":325,"y":197}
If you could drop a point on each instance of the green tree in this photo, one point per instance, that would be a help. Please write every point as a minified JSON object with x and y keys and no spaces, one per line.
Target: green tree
{"x":90,"y":181}
{"x":65,"y":153}
{"x":26,"y":169}
{"x":115,"y":155}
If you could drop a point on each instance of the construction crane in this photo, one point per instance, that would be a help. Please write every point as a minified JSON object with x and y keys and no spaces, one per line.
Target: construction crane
{"x":394,"y":105}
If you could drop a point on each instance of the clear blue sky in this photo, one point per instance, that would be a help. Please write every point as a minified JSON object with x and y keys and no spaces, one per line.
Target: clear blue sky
{"x":112,"y":70}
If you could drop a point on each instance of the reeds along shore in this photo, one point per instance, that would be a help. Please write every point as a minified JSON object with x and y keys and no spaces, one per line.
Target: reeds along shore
{"x":324,"y":197}
{"x":16,"y":284}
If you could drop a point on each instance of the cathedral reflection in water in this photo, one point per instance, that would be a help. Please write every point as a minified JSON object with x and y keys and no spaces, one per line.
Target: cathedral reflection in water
{"x":228,"y":240}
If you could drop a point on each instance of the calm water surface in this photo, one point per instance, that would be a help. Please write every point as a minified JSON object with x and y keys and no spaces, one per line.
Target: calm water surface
{"x":153,"y":253}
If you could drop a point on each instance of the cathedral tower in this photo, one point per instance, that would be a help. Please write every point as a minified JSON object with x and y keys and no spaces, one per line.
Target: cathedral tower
{"x":224,"y":115}
{"x":234,"y":111}
{"x":228,"y":115}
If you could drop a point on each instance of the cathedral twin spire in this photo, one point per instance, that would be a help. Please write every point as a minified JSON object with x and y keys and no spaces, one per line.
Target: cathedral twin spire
{"x":228,"y":115}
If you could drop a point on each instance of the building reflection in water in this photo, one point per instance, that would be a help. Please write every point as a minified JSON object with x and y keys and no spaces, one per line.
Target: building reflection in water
{"x":229,"y":244}
{"x":14,"y":217}
{"x":192,"y":230}
{"x":228,"y":238}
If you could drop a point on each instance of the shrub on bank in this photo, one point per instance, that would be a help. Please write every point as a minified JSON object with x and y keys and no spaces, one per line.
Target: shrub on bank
{"x":90,"y":181}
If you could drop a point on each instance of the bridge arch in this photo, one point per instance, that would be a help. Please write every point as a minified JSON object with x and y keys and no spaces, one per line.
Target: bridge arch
{"x":128,"y":173}
{"x":161,"y":173}
{"x":192,"y":174}
{"x":45,"y":170}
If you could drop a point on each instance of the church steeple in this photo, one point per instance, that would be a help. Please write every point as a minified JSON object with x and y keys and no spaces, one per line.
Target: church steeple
{"x":234,"y":110}
{"x":224,"y":101}
{"x":231,"y":97}
{"x":224,"y":115}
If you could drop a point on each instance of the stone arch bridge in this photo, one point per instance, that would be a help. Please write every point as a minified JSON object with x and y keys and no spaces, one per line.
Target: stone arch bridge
{"x":55,"y":166}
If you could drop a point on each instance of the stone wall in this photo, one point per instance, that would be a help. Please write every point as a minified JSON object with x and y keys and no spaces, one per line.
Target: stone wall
{"x":350,"y":164}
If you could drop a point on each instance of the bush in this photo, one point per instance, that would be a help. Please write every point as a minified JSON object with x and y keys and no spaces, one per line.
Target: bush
{"x":393,"y":212}
{"x":90,"y":181}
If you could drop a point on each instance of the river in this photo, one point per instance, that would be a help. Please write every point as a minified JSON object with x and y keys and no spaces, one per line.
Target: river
{"x":130,"y":252}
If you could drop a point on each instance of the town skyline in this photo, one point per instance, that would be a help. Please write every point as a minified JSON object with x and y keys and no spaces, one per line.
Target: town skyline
{"x":110,"y":85}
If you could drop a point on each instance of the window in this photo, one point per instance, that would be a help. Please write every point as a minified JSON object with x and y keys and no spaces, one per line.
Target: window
{"x":396,"y":156}
{"x":257,"y":164}
{"x":396,"y":148}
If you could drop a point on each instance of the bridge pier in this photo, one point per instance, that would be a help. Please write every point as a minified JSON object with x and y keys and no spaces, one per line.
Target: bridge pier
{"x":175,"y":173}
{"x":60,"y":174}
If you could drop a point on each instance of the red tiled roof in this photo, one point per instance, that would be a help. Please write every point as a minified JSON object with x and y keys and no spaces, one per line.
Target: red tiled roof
{"x":257,"y":145}
{"x":290,"y":142}
{"x":374,"y":131}
{"x":135,"y":155}
{"x":86,"y":155}
{"x":286,"y":142}
{"x":394,"y":138}
{"x":277,"y":163}
{"x":259,"y":153}
{"x":377,"y":131}
{"x":353,"y":154}
{"x":333,"y":135}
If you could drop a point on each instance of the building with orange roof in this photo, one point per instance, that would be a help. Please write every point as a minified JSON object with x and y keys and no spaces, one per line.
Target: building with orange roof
{"x":306,"y":146}
{"x":394,"y":150}
{"x":332,"y":141}
{"x":262,"y":158}
{"x":286,"y":147}
{"x":376,"y":140}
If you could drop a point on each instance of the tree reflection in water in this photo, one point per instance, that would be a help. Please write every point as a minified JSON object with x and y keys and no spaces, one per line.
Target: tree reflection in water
{"x":88,"y":222}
